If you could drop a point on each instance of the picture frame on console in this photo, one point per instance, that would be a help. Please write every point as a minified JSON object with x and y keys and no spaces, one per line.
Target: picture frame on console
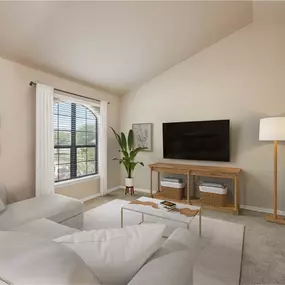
{"x":143,"y":135}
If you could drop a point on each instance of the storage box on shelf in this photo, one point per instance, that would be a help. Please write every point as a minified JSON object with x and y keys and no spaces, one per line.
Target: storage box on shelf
{"x":172,"y":188}
{"x":213,"y":194}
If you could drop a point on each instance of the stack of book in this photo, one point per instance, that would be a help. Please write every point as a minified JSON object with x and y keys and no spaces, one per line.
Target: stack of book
{"x":167,"y":206}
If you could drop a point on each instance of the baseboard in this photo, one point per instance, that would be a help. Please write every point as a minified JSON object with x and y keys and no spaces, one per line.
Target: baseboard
{"x":90,"y":197}
{"x":261,"y":210}
{"x":245,"y":207}
{"x":137,"y":189}
{"x":112,"y":189}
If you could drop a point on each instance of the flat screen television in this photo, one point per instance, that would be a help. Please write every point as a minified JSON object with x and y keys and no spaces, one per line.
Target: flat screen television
{"x":203,"y":140}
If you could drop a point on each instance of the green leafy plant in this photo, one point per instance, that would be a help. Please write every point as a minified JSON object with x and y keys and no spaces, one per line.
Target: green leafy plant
{"x":128,"y":151}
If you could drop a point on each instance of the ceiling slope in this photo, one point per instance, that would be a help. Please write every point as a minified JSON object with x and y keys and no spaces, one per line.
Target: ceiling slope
{"x":114,"y":45}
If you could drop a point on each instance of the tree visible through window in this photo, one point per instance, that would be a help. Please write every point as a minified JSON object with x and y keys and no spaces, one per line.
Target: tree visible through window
{"x":75,"y":141}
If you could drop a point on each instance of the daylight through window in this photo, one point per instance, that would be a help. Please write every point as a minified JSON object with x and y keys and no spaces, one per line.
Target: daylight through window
{"x":75,"y":141}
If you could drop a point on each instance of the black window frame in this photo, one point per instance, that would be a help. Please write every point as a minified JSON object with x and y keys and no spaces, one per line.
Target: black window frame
{"x":73,"y":146}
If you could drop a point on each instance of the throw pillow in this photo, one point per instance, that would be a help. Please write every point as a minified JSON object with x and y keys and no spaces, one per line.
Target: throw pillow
{"x":2,"y":206}
{"x":31,"y":260}
{"x":173,"y":268}
{"x":116,"y":255}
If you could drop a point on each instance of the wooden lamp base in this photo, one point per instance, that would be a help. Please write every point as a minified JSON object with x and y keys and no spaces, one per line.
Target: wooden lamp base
{"x":278,"y":220}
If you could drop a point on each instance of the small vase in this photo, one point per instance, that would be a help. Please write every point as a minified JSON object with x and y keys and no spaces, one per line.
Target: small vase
{"x":129,"y":182}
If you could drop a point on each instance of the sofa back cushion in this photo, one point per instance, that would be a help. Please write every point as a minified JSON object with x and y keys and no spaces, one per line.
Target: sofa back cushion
{"x":3,"y":198}
{"x":116,"y":255}
{"x":30,"y":260}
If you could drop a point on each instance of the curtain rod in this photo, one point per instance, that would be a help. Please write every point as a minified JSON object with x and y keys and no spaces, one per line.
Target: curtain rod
{"x":32,"y":83}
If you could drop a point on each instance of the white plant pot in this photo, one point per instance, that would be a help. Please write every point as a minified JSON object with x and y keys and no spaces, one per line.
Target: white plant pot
{"x":129,"y":182}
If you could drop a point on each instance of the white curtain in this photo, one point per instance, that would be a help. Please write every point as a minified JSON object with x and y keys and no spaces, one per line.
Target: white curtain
{"x":103,"y":139}
{"x":44,"y":140}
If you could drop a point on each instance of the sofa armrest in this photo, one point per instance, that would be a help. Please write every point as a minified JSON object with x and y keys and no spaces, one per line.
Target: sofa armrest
{"x":3,"y":193}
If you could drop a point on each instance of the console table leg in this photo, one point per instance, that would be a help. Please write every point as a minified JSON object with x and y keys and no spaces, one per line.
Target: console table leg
{"x":194,"y":186}
{"x":236,"y":187}
{"x":200,"y":221}
{"x":188,"y":188}
{"x":122,"y":218}
{"x":151,"y":183}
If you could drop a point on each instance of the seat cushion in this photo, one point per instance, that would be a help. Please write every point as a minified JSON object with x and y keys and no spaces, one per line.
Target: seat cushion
{"x":55,"y":207}
{"x":173,"y":263}
{"x":45,"y":228}
{"x":30,"y":260}
{"x":172,"y":268}
{"x":116,"y":255}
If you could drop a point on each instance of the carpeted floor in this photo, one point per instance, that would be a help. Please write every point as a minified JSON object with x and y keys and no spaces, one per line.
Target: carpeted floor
{"x":264,"y":244}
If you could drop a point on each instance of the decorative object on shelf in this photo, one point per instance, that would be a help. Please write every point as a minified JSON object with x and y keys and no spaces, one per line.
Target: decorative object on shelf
{"x":273,"y":129}
{"x":143,"y":136}
{"x":129,"y":154}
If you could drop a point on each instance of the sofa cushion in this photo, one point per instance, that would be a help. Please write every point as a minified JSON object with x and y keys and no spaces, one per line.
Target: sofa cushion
{"x":173,"y":263}
{"x":45,"y":228}
{"x":172,"y":268}
{"x":30,"y":260}
{"x":116,"y":255}
{"x":55,"y":207}
{"x":3,"y":198}
{"x":2,"y":207}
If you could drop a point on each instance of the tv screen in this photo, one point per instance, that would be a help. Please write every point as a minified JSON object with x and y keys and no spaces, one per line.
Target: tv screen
{"x":204,"y":140}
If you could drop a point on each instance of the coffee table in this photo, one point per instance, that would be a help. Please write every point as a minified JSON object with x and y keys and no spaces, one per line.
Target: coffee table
{"x":171,"y":215}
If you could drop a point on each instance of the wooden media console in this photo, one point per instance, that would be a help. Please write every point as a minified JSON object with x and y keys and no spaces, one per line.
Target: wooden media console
{"x":197,"y":171}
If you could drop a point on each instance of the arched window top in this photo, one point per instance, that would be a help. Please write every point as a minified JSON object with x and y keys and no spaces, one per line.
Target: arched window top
{"x":75,"y":140}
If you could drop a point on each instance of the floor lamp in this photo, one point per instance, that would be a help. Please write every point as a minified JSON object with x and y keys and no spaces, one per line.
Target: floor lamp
{"x":273,"y":129}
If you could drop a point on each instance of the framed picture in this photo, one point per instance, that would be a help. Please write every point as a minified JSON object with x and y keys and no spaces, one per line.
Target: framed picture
{"x":143,"y":135}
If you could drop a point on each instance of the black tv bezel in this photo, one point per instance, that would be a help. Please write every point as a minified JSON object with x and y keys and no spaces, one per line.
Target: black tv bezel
{"x":194,"y":159}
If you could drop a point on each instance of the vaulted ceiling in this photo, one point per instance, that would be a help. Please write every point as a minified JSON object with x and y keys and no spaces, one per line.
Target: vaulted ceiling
{"x":114,"y":45}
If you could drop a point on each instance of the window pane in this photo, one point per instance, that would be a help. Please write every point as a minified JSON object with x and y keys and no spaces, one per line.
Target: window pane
{"x":80,"y":138}
{"x":81,"y":154}
{"x":64,"y":155}
{"x":55,"y":134}
{"x":65,"y":108}
{"x":63,"y":171}
{"x":55,"y":152}
{"x":55,"y":122}
{"x":90,"y":115}
{"x":91,"y":153}
{"x":64,"y":138}
{"x":55,"y":108}
{"x":64,"y":123}
{"x":55,"y":172}
{"x":90,"y":167}
{"x":91,"y":126}
{"x":80,"y":124}
{"x":80,"y":111}
{"x":91,"y":138}
{"x":81,"y":168}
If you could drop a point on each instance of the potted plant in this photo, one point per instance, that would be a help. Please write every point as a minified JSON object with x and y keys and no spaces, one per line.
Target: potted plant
{"x":129,"y":154}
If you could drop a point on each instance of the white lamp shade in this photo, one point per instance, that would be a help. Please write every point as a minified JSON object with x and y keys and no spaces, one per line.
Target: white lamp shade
{"x":272,"y":129}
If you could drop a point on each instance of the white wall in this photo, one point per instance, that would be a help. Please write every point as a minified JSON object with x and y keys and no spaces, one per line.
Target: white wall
{"x":17,"y":130}
{"x":241,"y":78}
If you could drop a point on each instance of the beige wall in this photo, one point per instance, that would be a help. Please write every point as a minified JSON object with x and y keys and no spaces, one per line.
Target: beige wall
{"x":83,"y":188}
{"x":241,"y":78}
{"x":17,"y":131}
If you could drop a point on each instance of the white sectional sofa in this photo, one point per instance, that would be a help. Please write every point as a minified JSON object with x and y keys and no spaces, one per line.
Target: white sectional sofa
{"x":55,"y":207}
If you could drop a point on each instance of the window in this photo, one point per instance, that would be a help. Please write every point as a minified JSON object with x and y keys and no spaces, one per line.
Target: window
{"x":75,"y":141}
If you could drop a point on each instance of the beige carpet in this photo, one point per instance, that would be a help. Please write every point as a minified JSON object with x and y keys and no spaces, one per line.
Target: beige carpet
{"x":219,"y":262}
